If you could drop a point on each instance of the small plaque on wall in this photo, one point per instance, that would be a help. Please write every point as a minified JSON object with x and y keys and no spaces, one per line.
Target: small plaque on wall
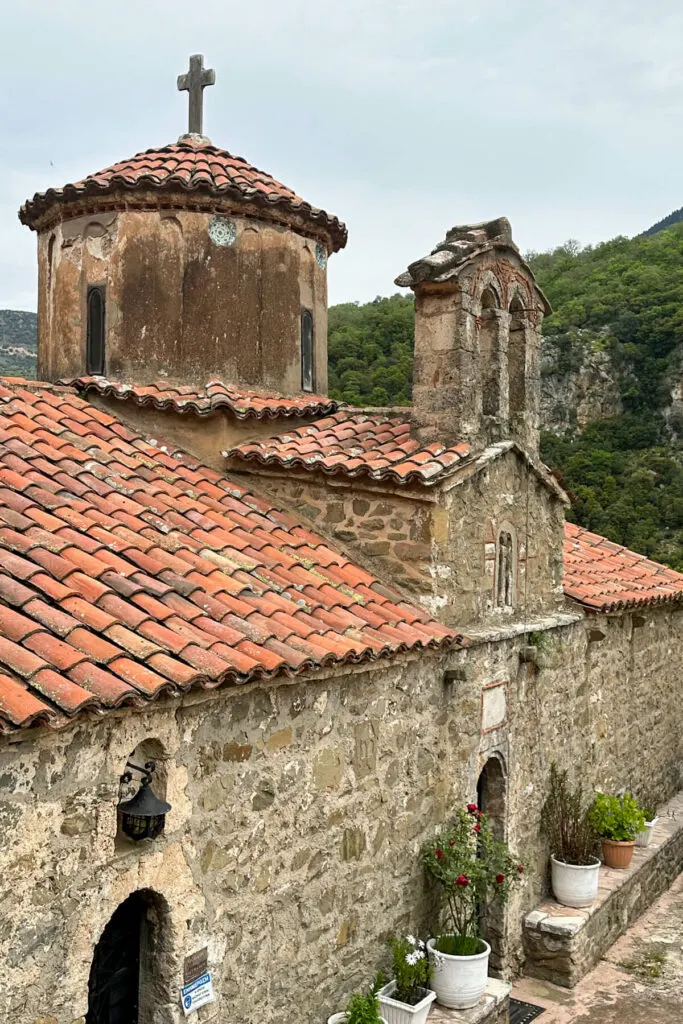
{"x":494,"y":706}
{"x":195,"y":965}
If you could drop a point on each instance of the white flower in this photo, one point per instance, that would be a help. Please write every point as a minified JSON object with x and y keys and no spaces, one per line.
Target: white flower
{"x":421,"y":944}
{"x":411,"y":939}
{"x":412,"y":958}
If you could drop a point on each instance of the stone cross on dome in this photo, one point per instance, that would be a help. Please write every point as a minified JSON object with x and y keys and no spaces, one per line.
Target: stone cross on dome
{"x":194,"y":82}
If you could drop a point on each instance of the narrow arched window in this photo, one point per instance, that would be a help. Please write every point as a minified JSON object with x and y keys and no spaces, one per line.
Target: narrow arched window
{"x":505,"y":571}
{"x":94,"y":355}
{"x":306,"y":350}
{"x":489,"y":353}
{"x":517,"y":358}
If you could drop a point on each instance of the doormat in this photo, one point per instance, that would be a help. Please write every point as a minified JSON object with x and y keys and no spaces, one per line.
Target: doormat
{"x":522,"y":1013}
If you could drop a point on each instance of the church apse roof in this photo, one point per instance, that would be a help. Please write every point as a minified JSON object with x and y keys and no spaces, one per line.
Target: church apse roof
{"x":206,"y":400}
{"x":128,"y":571}
{"x":607,"y":577}
{"x":193,"y":169}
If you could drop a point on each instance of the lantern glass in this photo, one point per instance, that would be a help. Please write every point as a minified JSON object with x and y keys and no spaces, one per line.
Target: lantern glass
{"x":144,"y":815}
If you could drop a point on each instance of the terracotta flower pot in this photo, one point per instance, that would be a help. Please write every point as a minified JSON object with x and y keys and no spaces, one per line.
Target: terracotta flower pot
{"x":617,"y":854}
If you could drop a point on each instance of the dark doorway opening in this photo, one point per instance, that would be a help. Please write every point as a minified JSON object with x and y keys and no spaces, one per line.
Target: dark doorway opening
{"x":491,"y":798}
{"x":126,"y":975}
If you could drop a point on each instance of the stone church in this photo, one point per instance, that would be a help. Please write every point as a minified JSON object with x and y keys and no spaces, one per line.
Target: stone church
{"x":302,"y":633}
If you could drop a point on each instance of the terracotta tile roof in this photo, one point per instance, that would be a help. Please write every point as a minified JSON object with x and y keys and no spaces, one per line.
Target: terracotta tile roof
{"x":354,"y":444}
{"x":205,"y":400}
{"x":608,"y":577}
{"x":192,"y":168}
{"x":128,"y":571}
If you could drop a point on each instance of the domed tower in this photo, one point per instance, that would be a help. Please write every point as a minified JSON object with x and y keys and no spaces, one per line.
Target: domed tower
{"x":187,"y":263}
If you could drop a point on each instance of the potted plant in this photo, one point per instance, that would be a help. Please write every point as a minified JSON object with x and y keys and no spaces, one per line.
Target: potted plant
{"x":645,"y":835}
{"x":475,"y":871}
{"x":617,"y":820}
{"x":362,"y":1007}
{"x":407,"y":999}
{"x":566,"y":823}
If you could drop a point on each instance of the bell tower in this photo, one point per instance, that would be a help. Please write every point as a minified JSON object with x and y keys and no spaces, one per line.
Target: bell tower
{"x":478,"y":316}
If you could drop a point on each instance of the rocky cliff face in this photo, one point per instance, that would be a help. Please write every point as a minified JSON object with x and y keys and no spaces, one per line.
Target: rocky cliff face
{"x":579,"y":383}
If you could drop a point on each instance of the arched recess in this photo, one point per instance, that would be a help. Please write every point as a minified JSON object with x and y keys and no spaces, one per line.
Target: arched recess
{"x":492,"y":793}
{"x":517,"y":357}
{"x":506,"y":568}
{"x":492,"y":799}
{"x":489,"y":353}
{"x":148,"y":750}
{"x":130,"y":976}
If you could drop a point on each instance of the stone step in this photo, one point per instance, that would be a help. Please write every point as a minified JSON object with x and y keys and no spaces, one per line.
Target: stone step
{"x":492,"y":1008}
{"x":562,"y":944}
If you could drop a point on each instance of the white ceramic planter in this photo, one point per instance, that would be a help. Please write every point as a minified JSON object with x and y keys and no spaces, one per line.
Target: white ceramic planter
{"x":643,"y":838}
{"x":395,"y":1012}
{"x":339,"y":1018}
{"x":575,"y":885}
{"x":459,"y":981}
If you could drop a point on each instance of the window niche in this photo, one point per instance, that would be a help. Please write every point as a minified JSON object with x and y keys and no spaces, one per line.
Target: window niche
{"x":307,"y":350}
{"x":517,"y":358}
{"x":505,"y":583}
{"x":489,"y":353}
{"x":95,"y":330}
{"x":149,"y":752}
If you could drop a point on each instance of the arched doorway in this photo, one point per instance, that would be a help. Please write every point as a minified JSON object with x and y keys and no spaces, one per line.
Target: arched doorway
{"x":125,"y":984}
{"x":491,"y":798}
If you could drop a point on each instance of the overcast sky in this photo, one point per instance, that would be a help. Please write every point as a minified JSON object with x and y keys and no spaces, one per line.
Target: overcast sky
{"x":402,"y":117}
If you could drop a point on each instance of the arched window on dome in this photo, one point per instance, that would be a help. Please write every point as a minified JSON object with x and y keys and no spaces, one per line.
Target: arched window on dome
{"x":306,"y":350}
{"x":505,"y":571}
{"x":94,"y":344}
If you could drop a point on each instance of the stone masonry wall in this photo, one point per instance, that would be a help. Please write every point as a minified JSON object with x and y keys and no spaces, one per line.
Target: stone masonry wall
{"x":440,"y":544}
{"x":299,"y":810}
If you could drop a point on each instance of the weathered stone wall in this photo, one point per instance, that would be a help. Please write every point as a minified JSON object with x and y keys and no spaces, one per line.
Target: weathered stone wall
{"x":476,"y":371}
{"x":439,"y":544}
{"x":299,"y":810}
{"x":178,"y":304}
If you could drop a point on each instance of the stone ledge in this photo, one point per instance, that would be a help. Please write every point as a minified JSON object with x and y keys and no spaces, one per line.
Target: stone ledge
{"x":563,"y":943}
{"x":492,"y":1008}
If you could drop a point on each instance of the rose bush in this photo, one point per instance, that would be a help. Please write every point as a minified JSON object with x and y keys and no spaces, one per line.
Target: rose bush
{"x":475,"y":870}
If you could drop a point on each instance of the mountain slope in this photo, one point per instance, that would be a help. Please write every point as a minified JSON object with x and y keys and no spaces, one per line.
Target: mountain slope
{"x":18,"y":345}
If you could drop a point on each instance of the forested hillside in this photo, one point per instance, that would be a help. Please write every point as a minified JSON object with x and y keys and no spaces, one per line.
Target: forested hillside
{"x":620,"y":302}
{"x":17,"y":343}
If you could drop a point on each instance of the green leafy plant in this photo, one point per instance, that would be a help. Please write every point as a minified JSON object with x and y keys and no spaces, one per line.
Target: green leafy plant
{"x":566,"y":821}
{"x":475,"y":871}
{"x":412,"y":969}
{"x":619,"y":818}
{"x":363,"y":1007}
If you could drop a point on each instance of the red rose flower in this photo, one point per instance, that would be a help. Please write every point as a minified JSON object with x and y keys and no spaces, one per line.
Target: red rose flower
{"x":520,"y":869}
{"x":477,"y":827}
{"x":480,"y":814}
{"x":472,"y":808}
{"x":438,"y":854}
{"x":462,"y":880}
{"x":500,"y":878}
